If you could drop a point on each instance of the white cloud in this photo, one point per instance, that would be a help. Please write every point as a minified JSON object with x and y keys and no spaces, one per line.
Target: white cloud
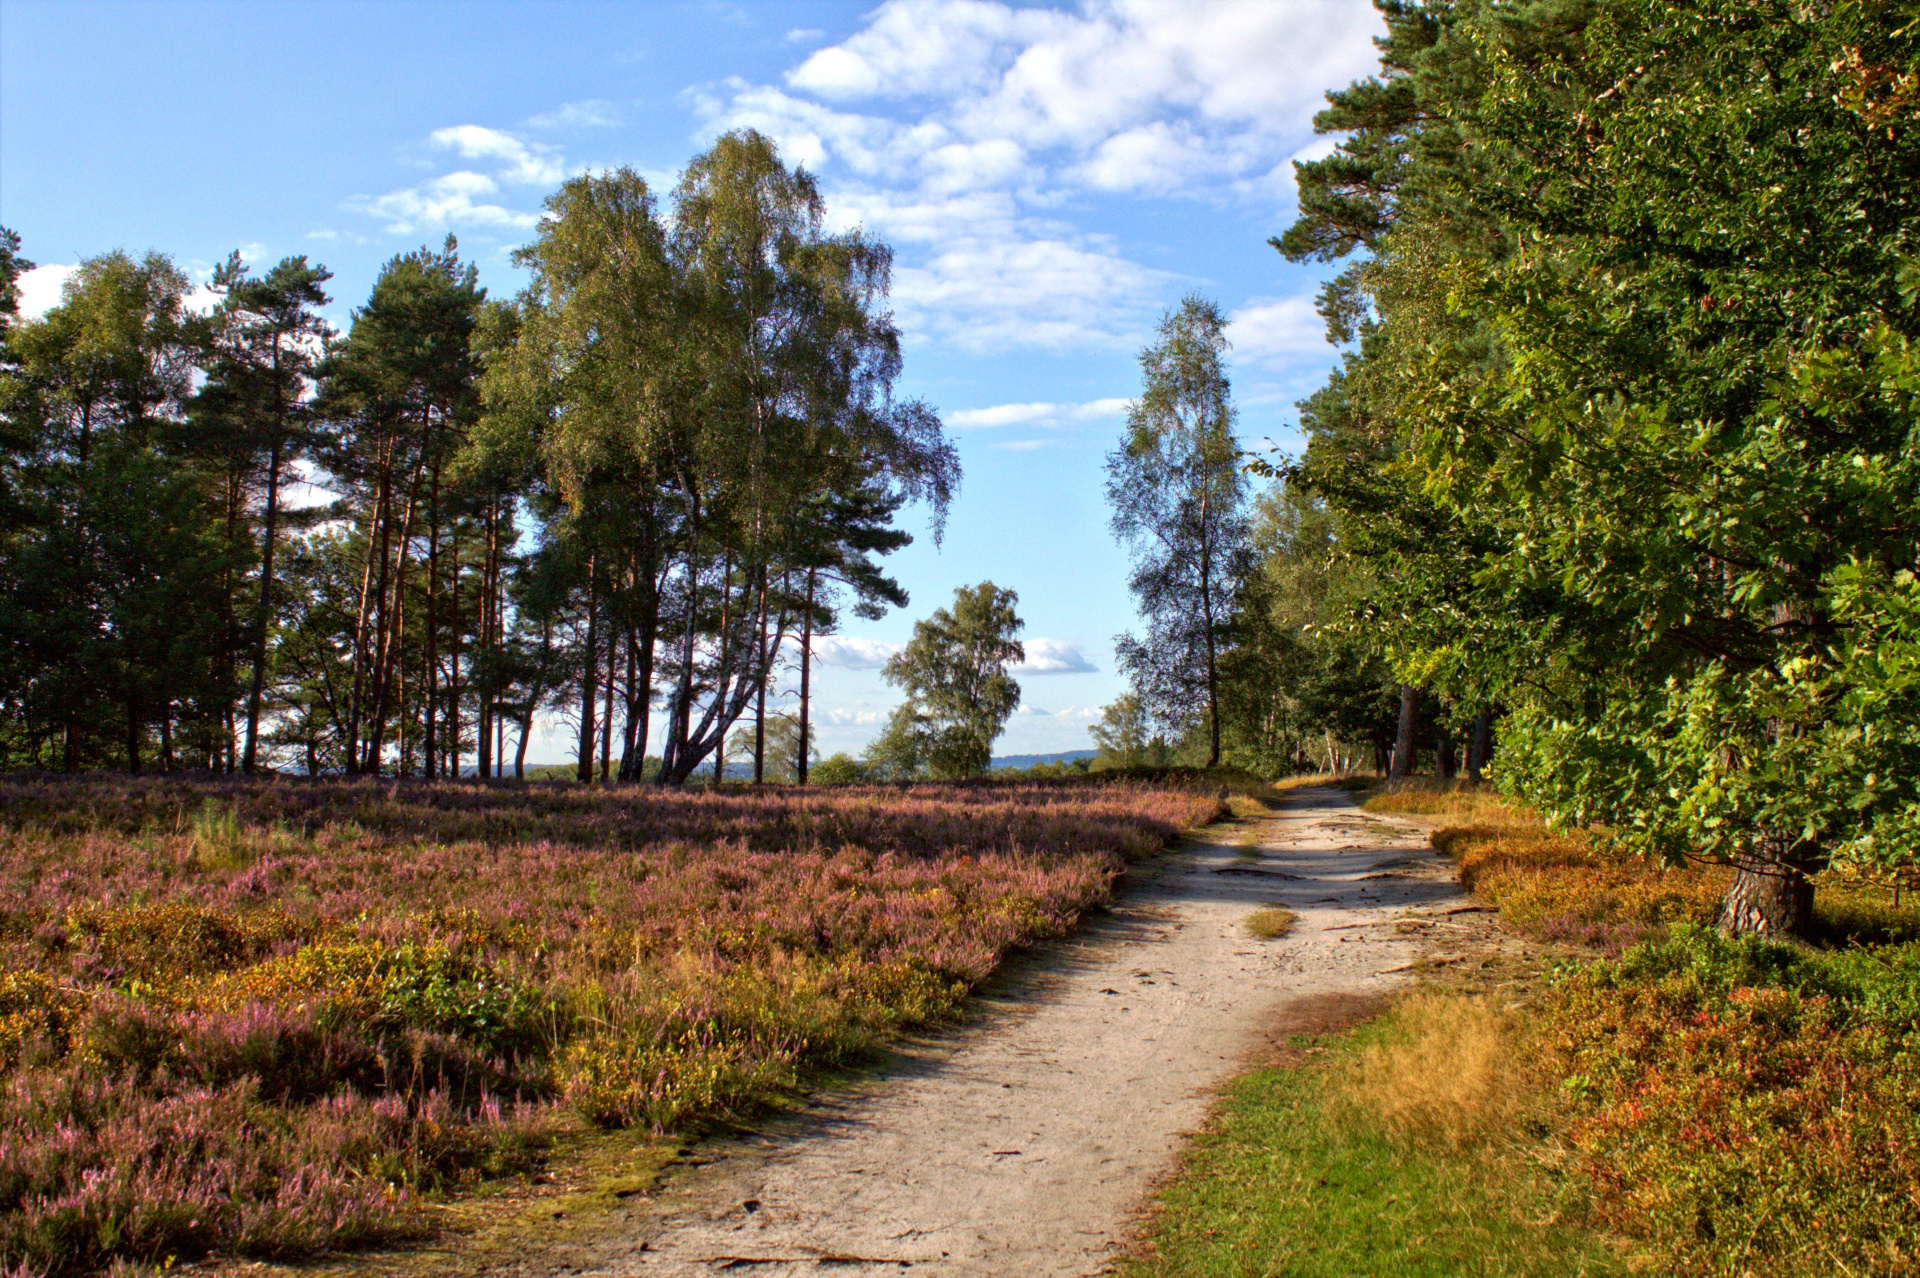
{"x":1276,"y":331}
{"x":852,"y":654}
{"x":805,"y":35}
{"x":450,"y":199}
{"x":465,"y":197}
{"x":969,"y":126}
{"x":1035,"y":414}
{"x":987,"y":295}
{"x":1054,"y":656}
{"x":40,"y":288}
{"x":839,"y":718}
{"x":1102,"y":82}
{"x":521,"y":163}
{"x":595,"y":113}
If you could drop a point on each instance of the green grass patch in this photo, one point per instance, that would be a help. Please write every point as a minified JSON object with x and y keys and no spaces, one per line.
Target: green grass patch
{"x":1304,"y":1171}
{"x":1271,"y":923}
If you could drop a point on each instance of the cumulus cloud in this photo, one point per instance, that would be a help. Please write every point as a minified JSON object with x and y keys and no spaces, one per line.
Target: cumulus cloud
{"x":850,"y":653}
{"x":966,"y":126}
{"x":840,"y":718}
{"x":1054,"y":656}
{"x":1276,"y":331}
{"x":40,"y":288}
{"x":1130,"y":89}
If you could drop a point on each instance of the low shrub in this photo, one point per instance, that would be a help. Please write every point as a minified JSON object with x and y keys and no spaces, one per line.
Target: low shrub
{"x":266,"y":1017}
{"x":1750,"y":1107}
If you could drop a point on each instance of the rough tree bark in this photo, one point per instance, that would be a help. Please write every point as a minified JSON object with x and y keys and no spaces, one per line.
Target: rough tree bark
{"x":1402,"y":765}
{"x":1771,"y":894}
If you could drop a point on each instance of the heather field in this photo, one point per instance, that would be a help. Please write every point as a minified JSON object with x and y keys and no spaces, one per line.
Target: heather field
{"x":270,"y":1018}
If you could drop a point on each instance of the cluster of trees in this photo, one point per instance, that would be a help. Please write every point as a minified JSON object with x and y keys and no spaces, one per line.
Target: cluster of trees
{"x":1621,"y":454}
{"x":640,"y":485}
{"x":1622,"y":447}
{"x":1244,"y":657}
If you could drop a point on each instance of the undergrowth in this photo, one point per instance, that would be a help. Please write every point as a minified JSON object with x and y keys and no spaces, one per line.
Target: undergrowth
{"x":269,"y":1018}
{"x":1736,"y":1106}
{"x":1388,"y":1150}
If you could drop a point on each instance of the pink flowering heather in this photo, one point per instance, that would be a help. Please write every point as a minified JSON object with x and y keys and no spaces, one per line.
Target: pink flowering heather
{"x":264,"y":1017}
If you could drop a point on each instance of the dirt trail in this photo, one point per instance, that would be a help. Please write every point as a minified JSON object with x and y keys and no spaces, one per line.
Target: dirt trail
{"x":1023,"y":1143}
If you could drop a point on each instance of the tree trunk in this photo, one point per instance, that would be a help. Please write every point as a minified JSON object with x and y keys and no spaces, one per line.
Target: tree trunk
{"x":1443,"y":766}
{"x":430,"y":761}
{"x":263,"y":611}
{"x":606,"y":726}
{"x":1771,"y":895}
{"x":806,"y":670}
{"x":1480,"y":745}
{"x":760,"y":702}
{"x":135,"y":729}
{"x":589,"y":679}
{"x":453,"y":661}
{"x":1402,"y":765}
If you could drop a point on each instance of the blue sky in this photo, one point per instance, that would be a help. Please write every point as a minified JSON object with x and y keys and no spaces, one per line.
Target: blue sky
{"x":1051,"y":177}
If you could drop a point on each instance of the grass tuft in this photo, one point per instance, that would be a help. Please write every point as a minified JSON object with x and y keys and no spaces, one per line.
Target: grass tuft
{"x":1271,"y":923}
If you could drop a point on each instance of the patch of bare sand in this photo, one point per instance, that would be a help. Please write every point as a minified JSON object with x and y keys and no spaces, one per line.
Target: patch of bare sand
{"x":1026,"y":1142}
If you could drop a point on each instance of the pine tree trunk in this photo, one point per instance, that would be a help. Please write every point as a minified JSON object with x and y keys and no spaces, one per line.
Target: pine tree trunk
{"x":263,"y":611}
{"x":589,"y":680}
{"x":806,"y":669}
{"x":1402,"y":764}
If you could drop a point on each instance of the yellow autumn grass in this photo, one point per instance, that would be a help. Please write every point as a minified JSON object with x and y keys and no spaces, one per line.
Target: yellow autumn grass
{"x":1448,"y":1070}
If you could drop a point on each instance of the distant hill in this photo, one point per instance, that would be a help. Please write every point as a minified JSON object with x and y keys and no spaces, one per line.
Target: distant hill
{"x":1004,"y":761}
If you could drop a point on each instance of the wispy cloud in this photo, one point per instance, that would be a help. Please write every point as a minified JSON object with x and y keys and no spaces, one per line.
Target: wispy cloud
{"x":594,"y":113}
{"x":518,"y":161}
{"x":1276,"y":332}
{"x":469,"y":196}
{"x":1035,"y":414}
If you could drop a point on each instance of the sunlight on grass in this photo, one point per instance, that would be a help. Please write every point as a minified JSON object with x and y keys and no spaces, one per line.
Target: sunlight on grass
{"x":1354,"y":1166}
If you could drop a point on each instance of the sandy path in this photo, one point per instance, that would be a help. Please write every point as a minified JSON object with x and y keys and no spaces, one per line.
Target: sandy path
{"x":1023,"y":1143}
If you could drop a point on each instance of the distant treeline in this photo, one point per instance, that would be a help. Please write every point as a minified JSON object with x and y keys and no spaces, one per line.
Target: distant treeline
{"x":238,"y":539}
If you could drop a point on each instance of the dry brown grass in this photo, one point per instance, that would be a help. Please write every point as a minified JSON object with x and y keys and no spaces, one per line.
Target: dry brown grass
{"x":1448,"y":1070}
{"x":1561,"y":885}
{"x":1271,"y":923}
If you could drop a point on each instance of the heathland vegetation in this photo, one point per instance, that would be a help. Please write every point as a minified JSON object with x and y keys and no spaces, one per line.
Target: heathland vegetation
{"x":271,"y":1017}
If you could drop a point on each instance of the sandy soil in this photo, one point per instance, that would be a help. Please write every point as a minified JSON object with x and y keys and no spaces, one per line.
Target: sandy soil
{"x":1027,"y":1142}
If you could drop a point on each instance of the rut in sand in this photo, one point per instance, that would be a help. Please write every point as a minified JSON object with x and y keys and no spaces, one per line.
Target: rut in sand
{"x":1026,"y":1142}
